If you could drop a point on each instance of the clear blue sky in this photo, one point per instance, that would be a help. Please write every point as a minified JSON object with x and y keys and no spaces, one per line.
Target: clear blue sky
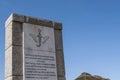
{"x":91,"y":32}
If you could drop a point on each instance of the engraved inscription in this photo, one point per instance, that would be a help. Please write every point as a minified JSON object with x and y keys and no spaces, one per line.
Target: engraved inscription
{"x":38,"y":66}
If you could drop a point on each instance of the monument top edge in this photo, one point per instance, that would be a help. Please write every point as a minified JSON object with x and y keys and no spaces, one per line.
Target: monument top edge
{"x":32,"y":20}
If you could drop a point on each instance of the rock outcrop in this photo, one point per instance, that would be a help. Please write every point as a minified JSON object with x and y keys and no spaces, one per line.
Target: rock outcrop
{"x":87,"y":76}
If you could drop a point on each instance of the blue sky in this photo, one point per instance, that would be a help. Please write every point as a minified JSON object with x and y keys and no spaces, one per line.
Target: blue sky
{"x":91,"y":32}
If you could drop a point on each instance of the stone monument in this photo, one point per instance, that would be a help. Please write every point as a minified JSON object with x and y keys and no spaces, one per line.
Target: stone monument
{"x":33,"y":49}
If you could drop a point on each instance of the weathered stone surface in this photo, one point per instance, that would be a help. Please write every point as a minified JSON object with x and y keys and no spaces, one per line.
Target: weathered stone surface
{"x":37,"y":21}
{"x":61,"y":78}
{"x":13,"y":46}
{"x":60,"y":64}
{"x":59,"y":54}
{"x":17,"y":33}
{"x":17,"y":39}
{"x":14,"y":78}
{"x":15,"y":17}
{"x":13,"y":34}
{"x":87,"y":76}
{"x":17,"y":60}
{"x":57,"y":26}
{"x":16,"y":27}
{"x":9,"y":78}
{"x":58,"y":39}
{"x":8,"y":36}
{"x":8,"y":62}
{"x":13,"y":61}
{"x":17,"y":78}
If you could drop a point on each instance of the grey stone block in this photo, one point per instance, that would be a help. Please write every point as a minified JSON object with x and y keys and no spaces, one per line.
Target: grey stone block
{"x":14,"y":78}
{"x":39,"y":21}
{"x":27,"y":19}
{"x":13,"y":61}
{"x":17,"y":60}
{"x":61,"y":78}
{"x":15,"y":17}
{"x":8,"y":36}
{"x":17,"y":78}
{"x":60,"y":63}
{"x":17,"y":39}
{"x":59,"y":55}
{"x":16,"y":27}
{"x":13,"y":33}
{"x":16,"y":33}
{"x":8,"y":62}
{"x":57,"y":26}
{"x":19,"y":18}
{"x":9,"y":78}
{"x":58,"y":39}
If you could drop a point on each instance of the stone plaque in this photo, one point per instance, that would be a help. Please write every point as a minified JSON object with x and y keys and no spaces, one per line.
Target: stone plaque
{"x":39,"y":53}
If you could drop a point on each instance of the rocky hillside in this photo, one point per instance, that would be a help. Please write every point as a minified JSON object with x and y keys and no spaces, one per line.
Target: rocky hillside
{"x":87,"y":76}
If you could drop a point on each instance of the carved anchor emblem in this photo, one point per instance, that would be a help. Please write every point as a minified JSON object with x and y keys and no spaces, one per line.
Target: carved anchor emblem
{"x":39,"y":36}
{"x":39,"y":39}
